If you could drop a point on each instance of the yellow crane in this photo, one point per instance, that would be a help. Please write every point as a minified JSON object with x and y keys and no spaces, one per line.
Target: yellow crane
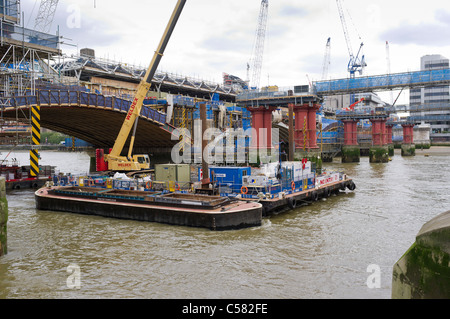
{"x":115,"y":161}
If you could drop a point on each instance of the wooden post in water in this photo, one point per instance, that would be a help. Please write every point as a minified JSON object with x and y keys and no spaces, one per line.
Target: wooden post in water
{"x":291,"y":133}
{"x":3,"y":217}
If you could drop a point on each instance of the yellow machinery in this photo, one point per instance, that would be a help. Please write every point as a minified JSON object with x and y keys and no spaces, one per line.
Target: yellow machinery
{"x":115,"y":161}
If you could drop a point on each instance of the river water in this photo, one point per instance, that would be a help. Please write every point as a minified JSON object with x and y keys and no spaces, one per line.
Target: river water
{"x":319,"y":251}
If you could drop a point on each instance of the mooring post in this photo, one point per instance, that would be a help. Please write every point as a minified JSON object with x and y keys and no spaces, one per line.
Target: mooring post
{"x":3,"y":217}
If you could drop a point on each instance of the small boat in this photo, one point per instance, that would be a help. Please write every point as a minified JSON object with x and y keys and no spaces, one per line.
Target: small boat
{"x":19,"y":177}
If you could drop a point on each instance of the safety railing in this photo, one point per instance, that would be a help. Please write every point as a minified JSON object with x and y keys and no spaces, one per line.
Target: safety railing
{"x":52,"y":98}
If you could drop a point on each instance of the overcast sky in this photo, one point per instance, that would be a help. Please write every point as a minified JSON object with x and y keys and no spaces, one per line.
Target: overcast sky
{"x":215,"y":36}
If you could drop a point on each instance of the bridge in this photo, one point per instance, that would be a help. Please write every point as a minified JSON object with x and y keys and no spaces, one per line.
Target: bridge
{"x":94,"y":118}
{"x":385,"y":82}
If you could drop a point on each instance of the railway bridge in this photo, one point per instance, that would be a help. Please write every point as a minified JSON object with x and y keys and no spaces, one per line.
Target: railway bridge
{"x":94,"y":118}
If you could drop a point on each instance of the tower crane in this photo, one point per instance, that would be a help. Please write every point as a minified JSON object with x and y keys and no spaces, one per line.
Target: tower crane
{"x":259,"y":43}
{"x":356,"y":63}
{"x":46,"y":13}
{"x":326,"y":60}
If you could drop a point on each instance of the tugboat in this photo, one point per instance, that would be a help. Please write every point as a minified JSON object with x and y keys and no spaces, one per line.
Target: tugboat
{"x":19,"y":177}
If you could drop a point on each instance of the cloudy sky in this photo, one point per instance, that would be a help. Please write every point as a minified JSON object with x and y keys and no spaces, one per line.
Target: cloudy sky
{"x":215,"y":36}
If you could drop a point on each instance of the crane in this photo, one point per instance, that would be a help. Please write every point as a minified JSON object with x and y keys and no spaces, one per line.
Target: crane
{"x":355,"y":64}
{"x":258,"y":51}
{"x":115,"y":161}
{"x":46,"y":13}
{"x":326,"y":60}
{"x":388,"y":62}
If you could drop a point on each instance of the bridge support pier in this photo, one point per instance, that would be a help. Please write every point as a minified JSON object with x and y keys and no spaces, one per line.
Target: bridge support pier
{"x":305,"y":134}
{"x":408,"y":147}
{"x":389,"y":142}
{"x":261,"y":141}
{"x":351,"y":151}
{"x":379,"y":152}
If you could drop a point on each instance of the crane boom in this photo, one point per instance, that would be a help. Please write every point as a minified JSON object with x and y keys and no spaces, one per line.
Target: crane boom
{"x":259,"y":43}
{"x":355,"y":63}
{"x":135,"y":109}
{"x":326,"y":60}
{"x":45,"y":15}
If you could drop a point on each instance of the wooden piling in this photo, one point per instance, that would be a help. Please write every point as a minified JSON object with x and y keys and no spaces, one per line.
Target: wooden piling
{"x":3,"y":217}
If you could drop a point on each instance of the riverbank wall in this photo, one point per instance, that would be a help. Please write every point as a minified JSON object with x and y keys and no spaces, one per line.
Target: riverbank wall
{"x":423,"y":272}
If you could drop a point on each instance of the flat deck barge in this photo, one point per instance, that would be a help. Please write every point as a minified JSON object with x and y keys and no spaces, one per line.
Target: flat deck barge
{"x":212,"y":212}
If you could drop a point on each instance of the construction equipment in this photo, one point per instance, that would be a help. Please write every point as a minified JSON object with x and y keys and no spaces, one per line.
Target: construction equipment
{"x":46,"y":13}
{"x":258,"y":51}
{"x":356,"y":63}
{"x":352,"y":107}
{"x":326,"y":60}
{"x":116,"y":162}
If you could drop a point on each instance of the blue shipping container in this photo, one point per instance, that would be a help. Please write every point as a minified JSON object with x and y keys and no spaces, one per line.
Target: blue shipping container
{"x":231,"y":176}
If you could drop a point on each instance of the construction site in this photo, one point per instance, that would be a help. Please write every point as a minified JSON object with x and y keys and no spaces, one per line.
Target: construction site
{"x":36,"y":72}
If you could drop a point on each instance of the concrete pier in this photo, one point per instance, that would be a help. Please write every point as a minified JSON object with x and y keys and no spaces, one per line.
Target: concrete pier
{"x":408,"y":147}
{"x":3,"y":218}
{"x":379,"y":152}
{"x":351,"y":151}
{"x":423,"y":272}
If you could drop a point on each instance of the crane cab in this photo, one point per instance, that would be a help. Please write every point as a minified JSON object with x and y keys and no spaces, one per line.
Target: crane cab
{"x":142,"y":160}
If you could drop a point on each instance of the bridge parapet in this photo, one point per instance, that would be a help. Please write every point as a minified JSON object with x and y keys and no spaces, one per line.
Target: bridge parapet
{"x":53,"y":98}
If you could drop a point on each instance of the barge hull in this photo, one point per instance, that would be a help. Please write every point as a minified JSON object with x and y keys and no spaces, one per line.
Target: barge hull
{"x":278,"y":205}
{"x":237,"y":218}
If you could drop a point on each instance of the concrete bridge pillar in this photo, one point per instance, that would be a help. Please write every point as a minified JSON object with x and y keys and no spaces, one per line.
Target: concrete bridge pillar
{"x":408,"y":147}
{"x":350,"y":150}
{"x":389,"y":142}
{"x":379,"y":152}
{"x":262,"y":130}
{"x":305,"y":134}
{"x":306,"y":126}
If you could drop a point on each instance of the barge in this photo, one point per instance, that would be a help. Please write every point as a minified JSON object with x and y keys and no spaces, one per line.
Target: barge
{"x":279,"y":186}
{"x":212,"y":212}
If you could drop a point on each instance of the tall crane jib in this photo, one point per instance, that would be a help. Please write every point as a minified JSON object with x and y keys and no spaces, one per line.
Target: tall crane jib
{"x":326,"y":60}
{"x":45,"y":16}
{"x":258,"y":52}
{"x":356,"y":63}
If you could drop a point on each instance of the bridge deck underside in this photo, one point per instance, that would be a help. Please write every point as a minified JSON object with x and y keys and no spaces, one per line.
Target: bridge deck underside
{"x":96,"y":126}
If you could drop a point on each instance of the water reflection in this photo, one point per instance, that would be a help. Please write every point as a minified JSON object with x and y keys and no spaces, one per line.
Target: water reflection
{"x":315,"y":251}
